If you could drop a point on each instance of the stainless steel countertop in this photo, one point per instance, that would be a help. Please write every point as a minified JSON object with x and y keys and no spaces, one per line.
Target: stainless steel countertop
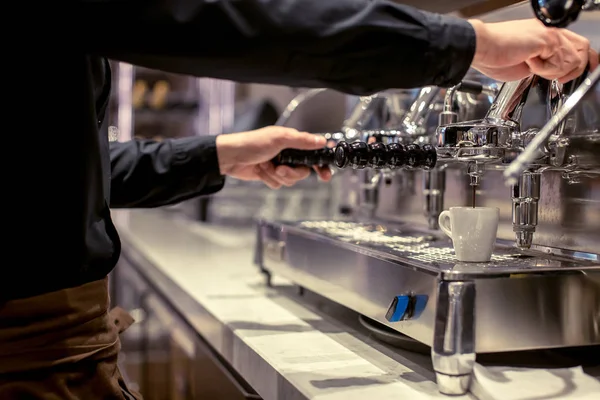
{"x":286,"y":346}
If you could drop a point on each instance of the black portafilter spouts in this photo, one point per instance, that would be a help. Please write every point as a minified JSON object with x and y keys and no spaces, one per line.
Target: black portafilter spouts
{"x":360,"y":155}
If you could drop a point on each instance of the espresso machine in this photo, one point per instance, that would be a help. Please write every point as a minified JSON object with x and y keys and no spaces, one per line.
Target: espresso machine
{"x":530,"y":148}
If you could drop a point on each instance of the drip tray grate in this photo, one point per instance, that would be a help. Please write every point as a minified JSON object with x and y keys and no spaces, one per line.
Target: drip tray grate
{"x":423,"y":247}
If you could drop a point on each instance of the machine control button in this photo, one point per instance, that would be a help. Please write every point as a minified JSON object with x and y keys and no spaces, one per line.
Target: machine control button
{"x":406,"y":307}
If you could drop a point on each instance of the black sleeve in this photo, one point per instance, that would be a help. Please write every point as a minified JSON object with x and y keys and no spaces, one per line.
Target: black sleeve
{"x":355,"y":46}
{"x":147,"y":173}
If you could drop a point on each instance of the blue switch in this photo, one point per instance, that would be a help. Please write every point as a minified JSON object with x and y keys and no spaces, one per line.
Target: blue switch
{"x":420,"y":303}
{"x":405,"y":307}
{"x":398,"y":308}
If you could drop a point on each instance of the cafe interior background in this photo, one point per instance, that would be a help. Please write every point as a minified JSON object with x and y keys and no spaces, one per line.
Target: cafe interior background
{"x":348,"y":289}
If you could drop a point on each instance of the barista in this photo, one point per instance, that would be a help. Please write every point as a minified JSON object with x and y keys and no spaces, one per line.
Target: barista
{"x":57,"y":338}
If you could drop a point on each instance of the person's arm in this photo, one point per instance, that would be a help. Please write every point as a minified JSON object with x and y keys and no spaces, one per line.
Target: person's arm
{"x":147,"y":173}
{"x":355,"y":46}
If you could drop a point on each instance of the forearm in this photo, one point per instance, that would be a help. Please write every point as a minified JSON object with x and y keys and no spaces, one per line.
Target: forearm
{"x":146,"y":173}
{"x":356,"y":46}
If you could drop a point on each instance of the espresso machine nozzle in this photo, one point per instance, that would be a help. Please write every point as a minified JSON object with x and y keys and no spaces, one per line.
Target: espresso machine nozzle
{"x":525,"y":199}
{"x":475,"y":171}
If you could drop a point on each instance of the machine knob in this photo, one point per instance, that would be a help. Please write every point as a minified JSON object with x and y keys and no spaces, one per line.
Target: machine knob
{"x":293,"y":157}
{"x":378,"y":155}
{"x":397,"y":155}
{"x":406,"y":307}
{"x":424,"y":157}
{"x":355,"y":155}
{"x":359,"y":155}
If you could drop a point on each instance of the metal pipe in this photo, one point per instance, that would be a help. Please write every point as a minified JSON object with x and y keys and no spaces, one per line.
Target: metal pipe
{"x":525,"y":199}
{"x":415,"y":118}
{"x":294,"y":103}
{"x":519,"y":165}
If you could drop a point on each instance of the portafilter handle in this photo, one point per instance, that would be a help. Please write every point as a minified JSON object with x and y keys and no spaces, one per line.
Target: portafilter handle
{"x":359,"y":155}
{"x":305,"y":158}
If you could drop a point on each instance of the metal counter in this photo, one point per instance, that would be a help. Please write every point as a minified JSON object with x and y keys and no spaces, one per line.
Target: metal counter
{"x":284,"y":345}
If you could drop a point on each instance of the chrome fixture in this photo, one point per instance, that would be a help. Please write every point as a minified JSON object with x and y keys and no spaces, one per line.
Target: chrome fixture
{"x":434,"y":186}
{"x":544,"y":141}
{"x":414,"y":128}
{"x":414,"y":123}
{"x":497,"y":136}
{"x":289,"y":110}
{"x":525,"y":200}
{"x":499,"y":139}
{"x":561,"y":13}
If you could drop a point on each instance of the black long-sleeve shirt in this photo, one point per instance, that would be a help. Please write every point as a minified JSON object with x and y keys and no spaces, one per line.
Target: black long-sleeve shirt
{"x":355,"y":46}
{"x":147,"y":173}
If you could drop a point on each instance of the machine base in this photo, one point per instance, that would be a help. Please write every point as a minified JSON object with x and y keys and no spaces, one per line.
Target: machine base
{"x":409,"y":280}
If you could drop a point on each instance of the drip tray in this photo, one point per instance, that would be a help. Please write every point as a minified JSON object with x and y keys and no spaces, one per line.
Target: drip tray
{"x":393,"y":338}
{"x":428,"y":251}
{"x":585,"y":356}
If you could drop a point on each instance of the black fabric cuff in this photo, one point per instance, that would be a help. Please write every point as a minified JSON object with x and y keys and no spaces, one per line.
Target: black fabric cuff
{"x":453,"y":43}
{"x":197,"y":161}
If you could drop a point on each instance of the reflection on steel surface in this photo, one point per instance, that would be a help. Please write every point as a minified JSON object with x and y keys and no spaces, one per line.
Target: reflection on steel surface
{"x":514,"y":302}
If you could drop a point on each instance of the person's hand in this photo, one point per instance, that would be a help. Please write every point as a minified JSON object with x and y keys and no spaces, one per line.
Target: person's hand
{"x":247,"y":155}
{"x":513,"y":50}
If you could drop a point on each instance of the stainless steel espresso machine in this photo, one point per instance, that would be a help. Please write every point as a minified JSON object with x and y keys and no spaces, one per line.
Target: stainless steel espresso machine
{"x":530,"y":148}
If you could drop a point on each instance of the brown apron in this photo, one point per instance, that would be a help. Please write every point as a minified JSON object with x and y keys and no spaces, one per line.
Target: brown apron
{"x":63,"y":345}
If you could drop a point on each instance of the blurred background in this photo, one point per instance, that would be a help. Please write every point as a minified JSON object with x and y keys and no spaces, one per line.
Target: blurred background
{"x":155,"y":105}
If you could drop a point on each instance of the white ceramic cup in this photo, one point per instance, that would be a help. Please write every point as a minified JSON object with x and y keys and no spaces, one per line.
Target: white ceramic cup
{"x":473,"y":231}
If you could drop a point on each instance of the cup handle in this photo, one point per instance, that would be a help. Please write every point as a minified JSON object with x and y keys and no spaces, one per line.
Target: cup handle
{"x":444,"y":222}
